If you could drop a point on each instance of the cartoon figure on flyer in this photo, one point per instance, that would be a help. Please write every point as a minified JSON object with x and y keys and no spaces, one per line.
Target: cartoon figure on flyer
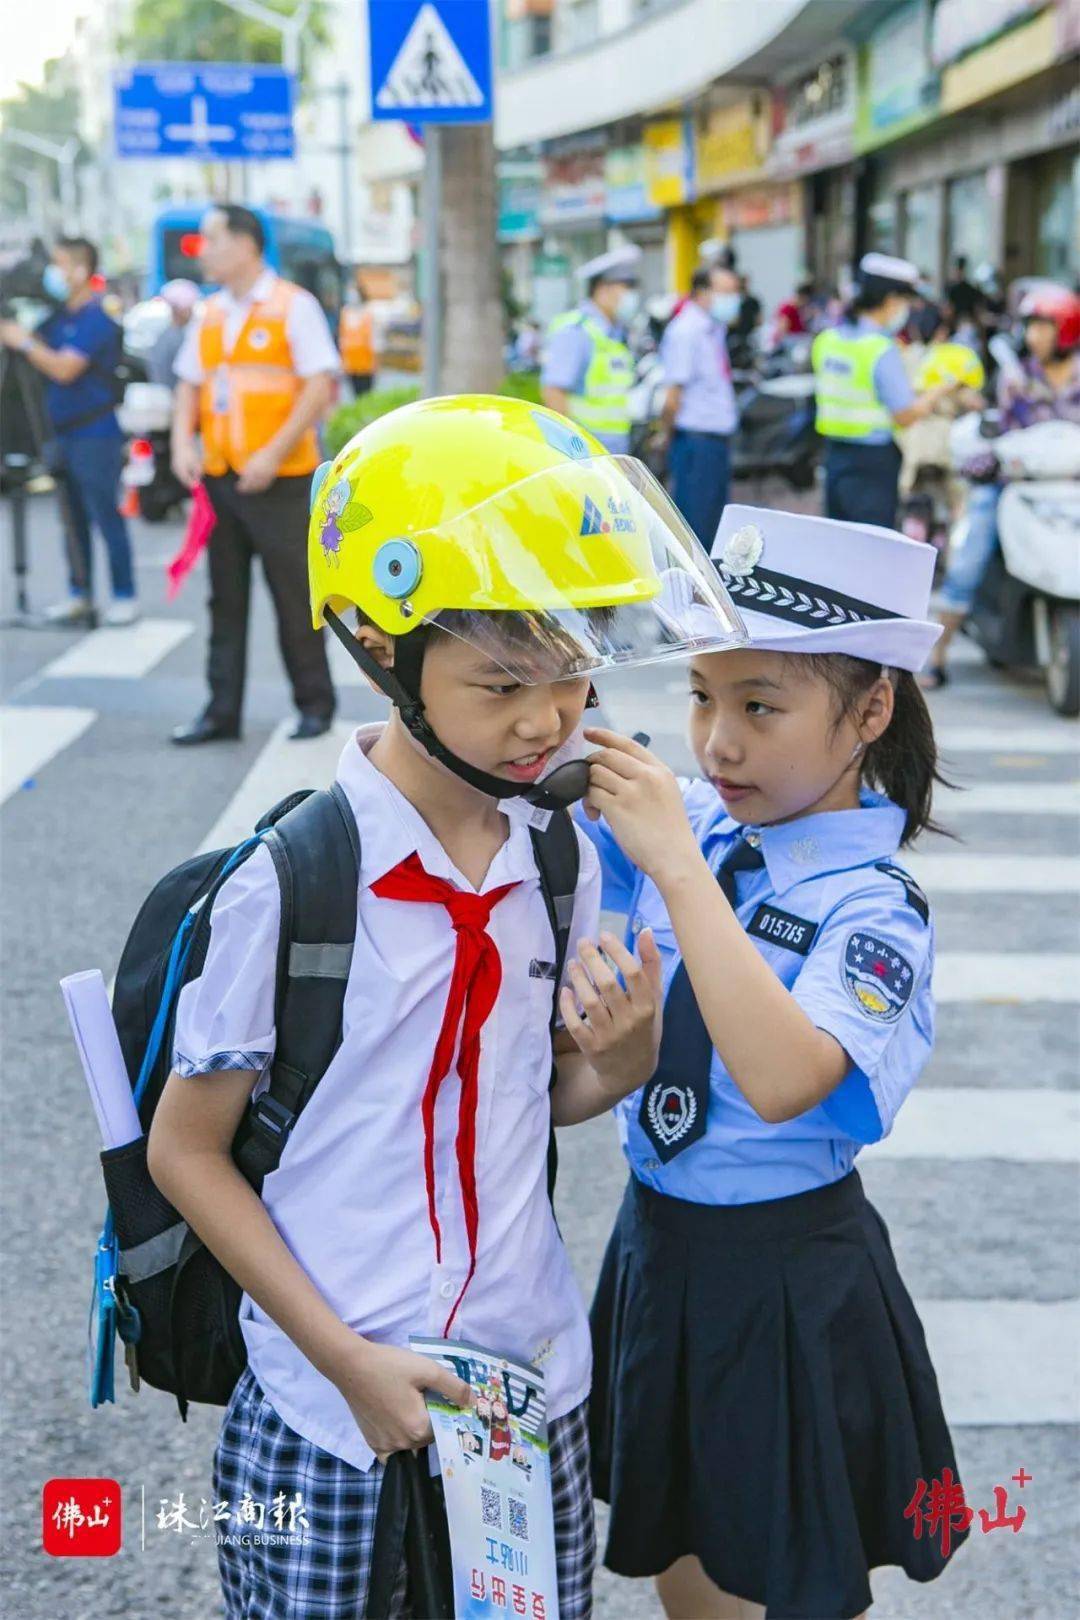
{"x":341,"y":516}
{"x":472,"y":1445}
{"x":499,"y":1442}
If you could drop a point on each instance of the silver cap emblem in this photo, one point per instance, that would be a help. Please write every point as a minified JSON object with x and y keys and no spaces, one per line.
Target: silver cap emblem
{"x":743,"y":549}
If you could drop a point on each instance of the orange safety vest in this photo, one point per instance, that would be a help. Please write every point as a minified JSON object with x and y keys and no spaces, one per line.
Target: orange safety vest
{"x":357,"y":341}
{"x":249,"y":391}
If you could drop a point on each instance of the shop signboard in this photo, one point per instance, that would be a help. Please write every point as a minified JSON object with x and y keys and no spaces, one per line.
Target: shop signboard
{"x":790,"y":158}
{"x":730,"y":144}
{"x":573,"y":187}
{"x":520,"y":196}
{"x":754,"y":207}
{"x":1008,"y":60}
{"x":898,"y":88}
{"x":627,"y":186}
{"x":669,"y":162}
{"x":814,"y":119}
{"x":960,"y":25}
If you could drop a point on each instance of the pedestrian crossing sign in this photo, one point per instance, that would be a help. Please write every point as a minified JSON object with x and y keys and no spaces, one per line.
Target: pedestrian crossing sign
{"x":430,"y":60}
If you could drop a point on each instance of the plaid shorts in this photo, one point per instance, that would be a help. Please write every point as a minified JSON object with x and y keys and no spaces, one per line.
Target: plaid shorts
{"x":320,"y":1571}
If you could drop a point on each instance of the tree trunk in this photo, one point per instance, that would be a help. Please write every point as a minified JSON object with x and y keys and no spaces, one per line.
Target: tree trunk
{"x":472,"y":346}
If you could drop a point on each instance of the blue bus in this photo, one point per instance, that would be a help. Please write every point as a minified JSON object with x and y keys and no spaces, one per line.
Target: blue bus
{"x":299,"y":249}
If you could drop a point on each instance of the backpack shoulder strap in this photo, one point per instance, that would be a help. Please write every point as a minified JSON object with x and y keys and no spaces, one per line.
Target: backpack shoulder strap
{"x":558,"y":859}
{"x":315,"y":848}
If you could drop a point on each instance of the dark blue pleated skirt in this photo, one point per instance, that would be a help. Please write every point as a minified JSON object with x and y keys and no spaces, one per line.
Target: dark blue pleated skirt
{"x":763,"y":1398}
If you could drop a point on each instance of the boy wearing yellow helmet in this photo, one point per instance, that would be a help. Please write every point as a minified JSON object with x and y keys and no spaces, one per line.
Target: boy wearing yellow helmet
{"x":495,"y":559}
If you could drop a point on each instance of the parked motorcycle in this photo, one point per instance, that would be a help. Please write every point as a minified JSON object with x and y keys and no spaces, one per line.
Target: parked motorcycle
{"x":145,"y":415}
{"x":1027,"y":610}
{"x":776,"y":408}
{"x":775,"y":402}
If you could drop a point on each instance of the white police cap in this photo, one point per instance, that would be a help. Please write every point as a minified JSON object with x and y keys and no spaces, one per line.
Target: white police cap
{"x":619,"y":264}
{"x":886,"y":268}
{"x":813,"y":585}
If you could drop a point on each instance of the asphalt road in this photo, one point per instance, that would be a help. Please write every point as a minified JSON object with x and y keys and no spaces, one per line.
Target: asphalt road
{"x":978,"y":1183}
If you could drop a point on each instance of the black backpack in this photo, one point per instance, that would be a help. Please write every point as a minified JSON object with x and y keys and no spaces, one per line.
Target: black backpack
{"x":176,"y":1304}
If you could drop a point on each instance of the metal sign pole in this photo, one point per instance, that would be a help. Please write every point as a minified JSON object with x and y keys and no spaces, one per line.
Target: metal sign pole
{"x":431,"y":292}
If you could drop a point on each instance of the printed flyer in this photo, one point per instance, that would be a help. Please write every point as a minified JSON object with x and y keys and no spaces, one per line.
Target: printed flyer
{"x":497,"y":1481}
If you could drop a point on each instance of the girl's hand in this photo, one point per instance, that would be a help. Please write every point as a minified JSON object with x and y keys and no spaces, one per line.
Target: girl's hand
{"x":618,"y":1030}
{"x":385,"y":1386}
{"x":640,"y":800}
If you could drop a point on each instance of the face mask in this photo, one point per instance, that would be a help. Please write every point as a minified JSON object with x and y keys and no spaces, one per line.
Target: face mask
{"x":724,"y":307}
{"x":899,"y":320}
{"x":55,"y":282}
{"x":627,"y":307}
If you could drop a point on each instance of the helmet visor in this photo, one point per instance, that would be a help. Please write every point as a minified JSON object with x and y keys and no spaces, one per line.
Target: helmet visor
{"x":584,"y":567}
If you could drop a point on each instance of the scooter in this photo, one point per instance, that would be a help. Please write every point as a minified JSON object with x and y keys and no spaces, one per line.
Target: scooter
{"x":145,"y":415}
{"x":1027,"y":609}
{"x":776,"y":407}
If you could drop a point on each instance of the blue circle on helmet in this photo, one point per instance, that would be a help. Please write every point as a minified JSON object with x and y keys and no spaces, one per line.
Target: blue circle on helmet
{"x":397,"y":568}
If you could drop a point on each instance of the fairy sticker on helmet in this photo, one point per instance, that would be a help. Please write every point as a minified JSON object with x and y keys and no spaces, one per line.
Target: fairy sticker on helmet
{"x":341,"y":516}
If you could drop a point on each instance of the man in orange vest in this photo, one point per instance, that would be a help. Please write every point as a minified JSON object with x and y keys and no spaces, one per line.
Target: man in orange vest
{"x":356,"y":340}
{"x":256,"y":374}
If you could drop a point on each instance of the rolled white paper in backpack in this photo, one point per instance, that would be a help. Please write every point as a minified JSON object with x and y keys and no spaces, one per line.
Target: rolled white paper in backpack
{"x":90,"y":1015}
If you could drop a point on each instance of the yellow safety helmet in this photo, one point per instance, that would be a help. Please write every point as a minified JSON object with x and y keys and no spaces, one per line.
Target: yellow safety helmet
{"x":505,"y":525}
{"x":949,"y":362}
{"x":477,"y":504}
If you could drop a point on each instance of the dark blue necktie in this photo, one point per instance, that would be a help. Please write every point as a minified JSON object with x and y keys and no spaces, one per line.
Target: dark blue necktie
{"x":675,"y":1102}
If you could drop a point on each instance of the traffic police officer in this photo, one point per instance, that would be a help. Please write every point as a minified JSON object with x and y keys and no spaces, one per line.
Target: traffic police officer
{"x":256,"y":375}
{"x":863,"y":393}
{"x":588,"y":369}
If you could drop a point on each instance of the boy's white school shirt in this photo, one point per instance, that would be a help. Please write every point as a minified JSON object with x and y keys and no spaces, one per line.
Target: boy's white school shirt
{"x":349,"y":1195}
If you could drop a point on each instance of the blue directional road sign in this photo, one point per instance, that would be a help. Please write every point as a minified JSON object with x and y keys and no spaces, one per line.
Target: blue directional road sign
{"x":430,"y":60}
{"x":226,"y":110}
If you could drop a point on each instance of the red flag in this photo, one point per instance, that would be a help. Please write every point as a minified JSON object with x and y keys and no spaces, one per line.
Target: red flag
{"x":200,"y":523}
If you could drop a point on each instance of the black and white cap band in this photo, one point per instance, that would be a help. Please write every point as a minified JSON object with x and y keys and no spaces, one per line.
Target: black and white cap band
{"x":784,"y":596}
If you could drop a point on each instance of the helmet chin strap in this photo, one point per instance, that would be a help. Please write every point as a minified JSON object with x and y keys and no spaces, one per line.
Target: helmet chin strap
{"x":562,"y":788}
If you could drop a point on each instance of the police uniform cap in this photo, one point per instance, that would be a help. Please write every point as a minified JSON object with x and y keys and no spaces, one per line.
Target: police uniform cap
{"x":899,"y":275}
{"x":620,"y":264}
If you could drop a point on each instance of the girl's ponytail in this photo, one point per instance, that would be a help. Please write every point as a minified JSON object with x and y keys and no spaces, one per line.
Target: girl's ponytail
{"x":903,"y":762}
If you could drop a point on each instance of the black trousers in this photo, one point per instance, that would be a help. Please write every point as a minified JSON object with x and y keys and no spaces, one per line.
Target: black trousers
{"x":862,"y":482}
{"x":273,"y":527}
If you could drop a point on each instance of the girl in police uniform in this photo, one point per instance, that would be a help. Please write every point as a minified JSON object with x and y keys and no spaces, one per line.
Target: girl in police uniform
{"x":763,"y":1402}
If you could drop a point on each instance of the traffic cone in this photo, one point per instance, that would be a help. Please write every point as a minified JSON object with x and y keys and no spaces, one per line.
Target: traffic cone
{"x":129,"y":506}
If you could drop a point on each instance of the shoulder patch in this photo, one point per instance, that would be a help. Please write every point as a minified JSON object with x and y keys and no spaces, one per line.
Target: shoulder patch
{"x":912,"y":893}
{"x":877,"y":977}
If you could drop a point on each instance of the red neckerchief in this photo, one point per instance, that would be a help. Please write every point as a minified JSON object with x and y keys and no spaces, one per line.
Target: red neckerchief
{"x":474,"y":985}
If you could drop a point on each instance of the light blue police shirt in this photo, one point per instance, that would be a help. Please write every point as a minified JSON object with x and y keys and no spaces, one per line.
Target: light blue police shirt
{"x":848,"y":932}
{"x":694,"y":356}
{"x":891,"y":382}
{"x":567,"y":353}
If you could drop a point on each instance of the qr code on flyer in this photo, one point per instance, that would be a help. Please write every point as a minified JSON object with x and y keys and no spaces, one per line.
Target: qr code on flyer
{"x":491,"y":1507}
{"x":519,"y":1518}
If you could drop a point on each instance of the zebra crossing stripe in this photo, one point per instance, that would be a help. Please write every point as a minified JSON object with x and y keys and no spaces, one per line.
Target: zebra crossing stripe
{"x":1007,"y":978}
{"x":127,"y":653}
{"x":1022,"y":1125}
{"x":1010,"y":799}
{"x":1005,"y":1361}
{"x":994,"y":874}
{"x":31,"y":737}
{"x":281,"y":768}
